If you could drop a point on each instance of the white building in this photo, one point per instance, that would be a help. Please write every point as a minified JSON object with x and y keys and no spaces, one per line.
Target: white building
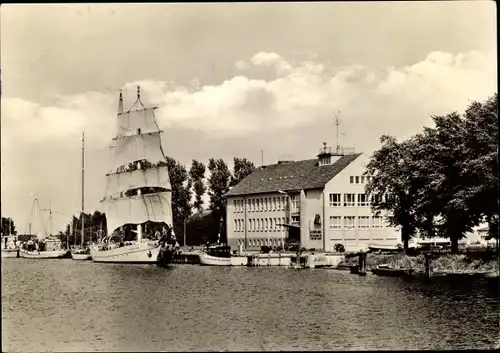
{"x":293,"y":198}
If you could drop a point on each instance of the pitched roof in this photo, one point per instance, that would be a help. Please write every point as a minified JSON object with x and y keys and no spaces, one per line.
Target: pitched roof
{"x":290,"y":176}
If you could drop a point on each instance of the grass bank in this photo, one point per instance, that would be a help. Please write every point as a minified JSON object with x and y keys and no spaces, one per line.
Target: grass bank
{"x":444,"y":263}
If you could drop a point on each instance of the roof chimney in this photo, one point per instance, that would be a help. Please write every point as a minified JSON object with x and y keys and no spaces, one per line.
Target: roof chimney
{"x":326,"y":157}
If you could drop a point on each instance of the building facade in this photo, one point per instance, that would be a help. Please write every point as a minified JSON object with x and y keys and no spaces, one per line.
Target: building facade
{"x":321,"y":202}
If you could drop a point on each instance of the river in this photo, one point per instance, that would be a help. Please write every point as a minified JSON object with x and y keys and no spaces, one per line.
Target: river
{"x":65,"y":305}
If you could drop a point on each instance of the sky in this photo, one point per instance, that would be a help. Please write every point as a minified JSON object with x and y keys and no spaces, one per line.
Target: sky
{"x":229,"y":79}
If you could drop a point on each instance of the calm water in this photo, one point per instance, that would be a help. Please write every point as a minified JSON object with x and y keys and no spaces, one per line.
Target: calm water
{"x":63,"y":305}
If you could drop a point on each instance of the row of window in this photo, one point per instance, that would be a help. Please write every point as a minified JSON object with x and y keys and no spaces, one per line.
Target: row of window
{"x":261,"y":242}
{"x":275,"y":203}
{"x":260,"y":224}
{"x":360,"y":179}
{"x":361,"y":222}
{"x":336,"y":222}
{"x":335,"y":200}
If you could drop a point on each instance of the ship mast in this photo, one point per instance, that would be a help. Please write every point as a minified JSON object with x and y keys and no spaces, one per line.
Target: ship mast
{"x":83,"y":188}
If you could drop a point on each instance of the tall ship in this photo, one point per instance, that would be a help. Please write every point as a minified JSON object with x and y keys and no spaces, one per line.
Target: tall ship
{"x":42,"y":245}
{"x":138,"y":196}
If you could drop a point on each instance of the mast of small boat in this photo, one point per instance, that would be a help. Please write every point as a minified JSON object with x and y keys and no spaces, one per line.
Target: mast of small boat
{"x":50,"y":218}
{"x":83,"y":188}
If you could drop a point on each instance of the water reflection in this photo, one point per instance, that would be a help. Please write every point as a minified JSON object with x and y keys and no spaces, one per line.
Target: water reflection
{"x":64,"y":305}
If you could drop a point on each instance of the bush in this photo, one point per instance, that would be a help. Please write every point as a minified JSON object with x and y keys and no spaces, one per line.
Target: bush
{"x":339,"y":248}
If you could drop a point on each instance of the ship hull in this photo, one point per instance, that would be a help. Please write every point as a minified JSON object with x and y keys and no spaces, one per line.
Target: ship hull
{"x":209,"y":260}
{"x":55,"y":254}
{"x":81,"y":257}
{"x":142,"y":253}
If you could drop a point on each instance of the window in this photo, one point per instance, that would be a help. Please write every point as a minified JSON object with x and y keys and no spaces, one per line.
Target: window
{"x":295,"y":202}
{"x":265,"y":204}
{"x":349,"y":221}
{"x":364,"y":222}
{"x":279,"y":203}
{"x":357,"y":180}
{"x":349,"y":200}
{"x":274,"y":203}
{"x":267,"y":224}
{"x":362,"y":179}
{"x":257,"y":205}
{"x":275,"y":224}
{"x":376,"y":198}
{"x":235,"y":225}
{"x":335,"y":200}
{"x":351,"y":179}
{"x":376,"y":222}
{"x":252,"y":207}
{"x":362,"y":200}
{"x":335,"y":222}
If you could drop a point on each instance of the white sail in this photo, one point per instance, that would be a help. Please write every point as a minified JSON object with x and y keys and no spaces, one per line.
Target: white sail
{"x":143,"y":119}
{"x":137,"y":147}
{"x":138,"y":209}
{"x":151,"y":177}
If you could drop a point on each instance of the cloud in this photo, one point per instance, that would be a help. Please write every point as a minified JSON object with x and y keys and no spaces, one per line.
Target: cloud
{"x":291,"y":113}
{"x":308,"y":91}
{"x":241,"y":65}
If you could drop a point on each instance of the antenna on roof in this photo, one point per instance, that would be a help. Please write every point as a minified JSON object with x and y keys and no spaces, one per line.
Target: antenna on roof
{"x":337,"y":123}
{"x":262,"y":157}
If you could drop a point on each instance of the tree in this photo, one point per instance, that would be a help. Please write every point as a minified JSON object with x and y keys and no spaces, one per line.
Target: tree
{"x":181,"y":193}
{"x":197,"y":175}
{"x":218,"y":185}
{"x":390,"y":186}
{"x":242,"y":168}
{"x":8,"y":226}
{"x":480,"y":169}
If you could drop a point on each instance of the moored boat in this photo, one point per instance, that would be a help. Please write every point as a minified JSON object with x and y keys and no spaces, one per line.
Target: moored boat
{"x":138,"y":192}
{"x":387,"y":271}
{"x":216,"y":255}
{"x":10,"y":248}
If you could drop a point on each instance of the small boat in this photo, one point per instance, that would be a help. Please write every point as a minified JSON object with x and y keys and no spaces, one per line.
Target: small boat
{"x":10,"y":248}
{"x":216,"y":255}
{"x":385,"y":248}
{"x":387,"y":271}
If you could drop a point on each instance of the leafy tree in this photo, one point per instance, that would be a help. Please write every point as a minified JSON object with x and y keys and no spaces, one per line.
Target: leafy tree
{"x":218,"y":185}
{"x":197,"y":175}
{"x":242,"y":168}
{"x":181,"y":193}
{"x":390,"y":185}
{"x":8,"y":226}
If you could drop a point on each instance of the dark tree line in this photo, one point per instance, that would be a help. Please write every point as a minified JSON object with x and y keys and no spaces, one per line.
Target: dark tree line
{"x":442,"y":181}
{"x":8,"y":226}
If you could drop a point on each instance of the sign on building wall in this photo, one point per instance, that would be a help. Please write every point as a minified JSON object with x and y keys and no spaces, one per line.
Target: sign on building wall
{"x":315,"y":231}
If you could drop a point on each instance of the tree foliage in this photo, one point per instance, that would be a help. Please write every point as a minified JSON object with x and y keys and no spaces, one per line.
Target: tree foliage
{"x":218,"y":185}
{"x":242,"y":168}
{"x":444,"y":180}
{"x":181,"y":193}
{"x":8,"y":226}
{"x":197,"y":176}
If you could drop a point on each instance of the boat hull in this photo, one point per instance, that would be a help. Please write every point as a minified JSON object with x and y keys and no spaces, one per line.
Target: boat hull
{"x":142,"y":253}
{"x":391,"y":272}
{"x":11,"y":253}
{"x":54,"y":254}
{"x":209,"y":260}
{"x":81,"y":257}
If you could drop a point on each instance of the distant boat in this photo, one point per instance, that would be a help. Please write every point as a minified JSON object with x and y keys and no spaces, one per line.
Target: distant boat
{"x":387,"y":271}
{"x":82,"y":253}
{"x":42,"y":246}
{"x":10,"y":247}
{"x":138,"y":190}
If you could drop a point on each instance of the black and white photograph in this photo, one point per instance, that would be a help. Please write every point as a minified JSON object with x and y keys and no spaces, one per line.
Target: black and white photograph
{"x":249,"y":176}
